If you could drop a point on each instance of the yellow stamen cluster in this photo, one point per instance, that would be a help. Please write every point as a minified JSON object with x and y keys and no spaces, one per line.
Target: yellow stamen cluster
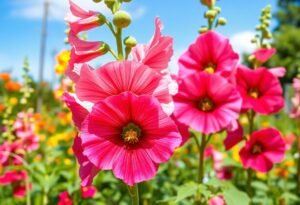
{"x":206,"y":105}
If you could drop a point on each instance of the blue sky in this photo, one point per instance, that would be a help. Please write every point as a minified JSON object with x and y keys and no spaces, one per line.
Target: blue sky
{"x":20,"y":22}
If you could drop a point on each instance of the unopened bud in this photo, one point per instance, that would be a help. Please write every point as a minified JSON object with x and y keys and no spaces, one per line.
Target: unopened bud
{"x":251,"y":58}
{"x":121,"y":19}
{"x":258,"y":27}
{"x":203,"y":30}
{"x":97,"y":1}
{"x":130,"y":42}
{"x":222,"y":21}
{"x":266,"y":22}
{"x":253,"y":40}
{"x":209,"y":3}
{"x":109,"y":3}
{"x":104,"y":48}
{"x":127,"y":1}
{"x":269,"y":35}
{"x":101,"y":19}
{"x":210,"y":14}
{"x":217,"y":9}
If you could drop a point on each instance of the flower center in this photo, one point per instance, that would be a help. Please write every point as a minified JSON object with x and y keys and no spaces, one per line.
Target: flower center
{"x":210,"y":68}
{"x":257,"y":149}
{"x":131,"y":134}
{"x":254,"y":93}
{"x":206,"y":105}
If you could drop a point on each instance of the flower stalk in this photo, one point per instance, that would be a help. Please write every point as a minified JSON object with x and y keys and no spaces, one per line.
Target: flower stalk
{"x":134,"y":194}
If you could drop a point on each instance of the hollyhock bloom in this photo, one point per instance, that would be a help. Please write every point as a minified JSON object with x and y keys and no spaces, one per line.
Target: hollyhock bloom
{"x":19,"y":191}
{"x":120,"y":76}
{"x":296,"y":84}
{"x":12,"y":176}
{"x":157,"y":53}
{"x":83,"y":20}
{"x":216,"y":200}
{"x":295,"y":111}
{"x":235,"y":134}
{"x":211,"y":53}
{"x":88,"y":191}
{"x":64,"y":198}
{"x":129,"y":135}
{"x":264,"y":148}
{"x":207,"y":103}
{"x":6,"y":149}
{"x":264,"y":54}
{"x":278,"y":72}
{"x":260,"y":90}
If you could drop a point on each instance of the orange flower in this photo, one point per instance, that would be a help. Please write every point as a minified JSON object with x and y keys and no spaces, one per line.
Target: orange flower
{"x":2,"y":107}
{"x":5,"y":76}
{"x":12,"y":86}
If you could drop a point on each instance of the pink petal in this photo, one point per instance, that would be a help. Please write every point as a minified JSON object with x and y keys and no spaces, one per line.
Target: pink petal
{"x":264,"y":54}
{"x":235,"y":135}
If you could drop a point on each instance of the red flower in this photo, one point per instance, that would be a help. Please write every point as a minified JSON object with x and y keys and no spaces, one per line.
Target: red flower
{"x":260,"y":90}
{"x":211,"y":53}
{"x":88,"y":191}
{"x":64,"y":199}
{"x":264,"y":148}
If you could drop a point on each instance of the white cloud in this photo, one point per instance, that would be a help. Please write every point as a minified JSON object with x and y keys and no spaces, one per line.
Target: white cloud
{"x":33,"y":9}
{"x":241,"y":42}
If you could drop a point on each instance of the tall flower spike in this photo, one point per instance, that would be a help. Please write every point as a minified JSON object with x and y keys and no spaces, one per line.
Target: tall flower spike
{"x":83,"y":20}
{"x":129,"y":135}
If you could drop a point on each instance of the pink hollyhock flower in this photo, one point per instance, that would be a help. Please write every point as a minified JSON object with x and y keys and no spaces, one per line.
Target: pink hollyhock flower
{"x":264,"y":148}
{"x":295,"y":111}
{"x":64,"y":199}
{"x":83,"y":20}
{"x":87,"y":170}
{"x":278,"y":72}
{"x":19,"y":191}
{"x":12,"y":176}
{"x":88,"y":191}
{"x":157,"y":53}
{"x":260,"y":90}
{"x":216,"y":200}
{"x":264,"y":54}
{"x":6,"y":149}
{"x":120,"y":76}
{"x":211,"y":53}
{"x":289,"y":140}
{"x":235,"y":134}
{"x":296,"y":84}
{"x":129,"y":135}
{"x":206,"y":102}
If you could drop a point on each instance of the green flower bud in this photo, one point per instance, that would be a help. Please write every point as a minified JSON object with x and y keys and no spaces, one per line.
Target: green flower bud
{"x":101,"y":19}
{"x":210,"y":14}
{"x":121,"y":19}
{"x":97,"y":1}
{"x":222,"y":21}
{"x":258,"y":27}
{"x":109,"y":3}
{"x":268,"y":16}
{"x":251,"y":58}
{"x":104,"y":48}
{"x":266,"y":22}
{"x":217,"y":9}
{"x":127,"y":1}
{"x":269,"y":35}
{"x":203,"y":29}
{"x":253,"y":40}
{"x":130,"y":42}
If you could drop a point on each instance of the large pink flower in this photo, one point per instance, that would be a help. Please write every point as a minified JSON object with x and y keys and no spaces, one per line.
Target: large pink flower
{"x":260,"y":90}
{"x":129,"y":134}
{"x":211,"y":53}
{"x":157,"y":53}
{"x":264,"y":148}
{"x":82,"y":20}
{"x":216,"y":200}
{"x":120,"y":76}
{"x":206,"y":102}
{"x":65,"y":199}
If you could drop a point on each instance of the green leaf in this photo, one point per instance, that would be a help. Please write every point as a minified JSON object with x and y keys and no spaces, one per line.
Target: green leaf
{"x":233,"y":196}
{"x":260,"y":185}
{"x":186,"y":191}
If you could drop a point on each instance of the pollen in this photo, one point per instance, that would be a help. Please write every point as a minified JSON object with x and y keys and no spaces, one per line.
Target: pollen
{"x":131,"y":134}
{"x":206,"y":105}
{"x":254,"y":93}
{"x":257,"y":149}
{"x":210,"y":68}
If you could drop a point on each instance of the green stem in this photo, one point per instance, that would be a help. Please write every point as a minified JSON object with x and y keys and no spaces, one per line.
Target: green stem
{"x":134,"y":194}
{"x":114,"y":54}
{"x":249,"y":182}
{"x":119,"y":43}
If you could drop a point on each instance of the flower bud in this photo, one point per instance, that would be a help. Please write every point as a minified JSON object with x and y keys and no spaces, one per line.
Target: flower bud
{"x":97,"y":1}
{"x":217,"y":9}
{"x":266,"y":22}
{"x":101,"y":19}
{"x":258,"y":27}
{"x":209,"y":3}
{"x":127,"y":1}
{"x":222,"y":21}
{"x":269,"y":35}
{"x":203,"y":30}
{"x":121,"y":19}
{"x":130,"y":42}
{"x":210,"y":14}
{"x":253,"y":40}
{"x":251,"y":58}
{"x":109,"y":3}
{"x":104,"y":48}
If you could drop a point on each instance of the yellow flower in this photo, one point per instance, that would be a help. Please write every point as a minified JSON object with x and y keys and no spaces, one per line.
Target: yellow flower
{"x":70,"y":151}
{"x":235,"y":154}
{"x":13,"y":101}
{"x":289,"y":163}
{"x":265,"y":124}
{"x":62,"y":62}
{"x":244,"y":120}
{"x":261,"y":176}
{"x":67,"y":162}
